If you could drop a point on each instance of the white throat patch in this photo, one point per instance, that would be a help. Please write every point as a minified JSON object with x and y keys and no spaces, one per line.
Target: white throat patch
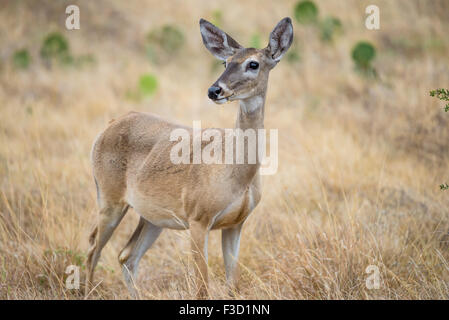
{"x":252,"y":104}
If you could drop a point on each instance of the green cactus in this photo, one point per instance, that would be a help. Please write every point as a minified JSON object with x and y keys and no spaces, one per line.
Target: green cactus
{"x":56,"y":47}
{"x":363,"y":54}
{"x":306,"y":12}
{"x":169,"y":38}
{"x":85,"y":60}
{"x":255,"y":41}
{"x":217,"y":18}
{"x":147,"y":84}
{"x":21,"y":59}
{"x":293,"y":55}
{"x":330,"y":26}
{"x":164,"y":42}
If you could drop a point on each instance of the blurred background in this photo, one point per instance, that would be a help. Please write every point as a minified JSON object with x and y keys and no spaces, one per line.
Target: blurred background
{"x":363,"y":147}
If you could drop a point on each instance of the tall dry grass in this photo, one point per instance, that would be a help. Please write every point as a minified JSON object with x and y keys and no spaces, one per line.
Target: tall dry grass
{"x":360,"y":161}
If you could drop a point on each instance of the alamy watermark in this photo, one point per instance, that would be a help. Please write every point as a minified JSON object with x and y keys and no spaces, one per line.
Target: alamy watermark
{"x":190,"y":148}
{"x":73,"y":278}
{"x":373,"y":280}
{"x":372,"y":21}
{"x":73,"y":20}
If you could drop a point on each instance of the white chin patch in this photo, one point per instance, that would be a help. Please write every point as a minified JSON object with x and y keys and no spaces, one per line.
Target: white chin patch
{"x":221,"y":101}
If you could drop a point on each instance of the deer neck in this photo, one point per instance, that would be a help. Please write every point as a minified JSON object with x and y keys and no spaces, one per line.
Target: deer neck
{"x":250,"y":116}
{"x":251,"y":113}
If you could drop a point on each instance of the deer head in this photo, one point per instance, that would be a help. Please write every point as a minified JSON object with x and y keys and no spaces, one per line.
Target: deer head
{"x":247,"y":69}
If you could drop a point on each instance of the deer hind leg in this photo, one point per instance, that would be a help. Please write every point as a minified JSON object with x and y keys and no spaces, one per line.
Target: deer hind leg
{"x":142,"y":239}
{"x":109,"y":218}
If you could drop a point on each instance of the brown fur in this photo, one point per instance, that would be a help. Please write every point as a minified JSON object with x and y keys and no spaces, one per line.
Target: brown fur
{"x":132,"y":167}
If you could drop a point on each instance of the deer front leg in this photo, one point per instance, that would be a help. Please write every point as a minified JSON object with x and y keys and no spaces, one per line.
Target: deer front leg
{"x":199,"y":234}
{"x":230,"y":243}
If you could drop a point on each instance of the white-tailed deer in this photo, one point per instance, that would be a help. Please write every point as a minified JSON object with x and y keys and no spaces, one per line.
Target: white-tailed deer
{"x":132,"y":167}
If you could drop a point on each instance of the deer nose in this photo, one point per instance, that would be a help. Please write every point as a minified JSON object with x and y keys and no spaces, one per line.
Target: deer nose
{"x":213,"y":92}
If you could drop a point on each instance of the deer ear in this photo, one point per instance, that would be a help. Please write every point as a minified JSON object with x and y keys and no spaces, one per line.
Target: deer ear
{"x":280,"y":39}
{"x":220,"y":44}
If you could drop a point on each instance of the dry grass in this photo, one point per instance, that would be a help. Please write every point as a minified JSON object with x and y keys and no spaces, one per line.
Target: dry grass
{"x":360,"y":161}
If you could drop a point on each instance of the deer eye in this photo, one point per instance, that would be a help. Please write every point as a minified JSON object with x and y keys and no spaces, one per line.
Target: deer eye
{"x":224,"y":63}
{"x":254,"y":65}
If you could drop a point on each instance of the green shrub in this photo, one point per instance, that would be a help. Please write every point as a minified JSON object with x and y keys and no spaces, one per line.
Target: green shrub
{"x":443,"y":95}
{"x":21,"y":59}
{"x":330,"y":26}
{"x":363,"y":54}
{"x":217,"y":18}
{"x":56,"y":47}
{"x":163,"y":43}
{"x":151,"y":53}
{"x":293,"y":55}
{"x":306,"y":12}
{"x":85,"y":60}
{"x":169,"y":38}
{"x":147,"y":84}
{"x":255,"y":41}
